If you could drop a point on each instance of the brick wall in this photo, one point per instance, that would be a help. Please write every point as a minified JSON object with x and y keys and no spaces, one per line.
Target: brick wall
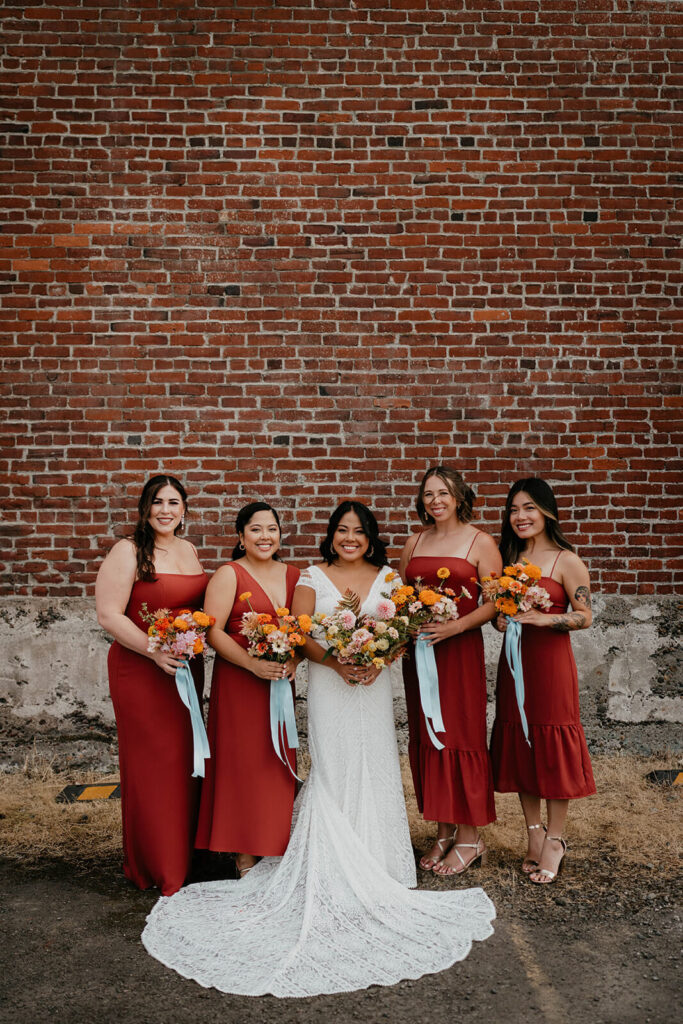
{"x":299,"y":250}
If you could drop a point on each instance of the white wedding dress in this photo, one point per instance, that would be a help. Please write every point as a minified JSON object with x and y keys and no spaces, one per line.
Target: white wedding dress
{"x":335,"y":913}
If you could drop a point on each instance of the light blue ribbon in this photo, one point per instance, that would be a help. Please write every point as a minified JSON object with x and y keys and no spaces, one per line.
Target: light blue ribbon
{"x":282,"y":720}
{"x":188,"y":694}
{"x":428,"y":678}
{"x":513,"y":652}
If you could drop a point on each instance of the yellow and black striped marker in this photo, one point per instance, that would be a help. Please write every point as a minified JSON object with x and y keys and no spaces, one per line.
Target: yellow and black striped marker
{"x":100,"y":791}
{"x":666,"y":777}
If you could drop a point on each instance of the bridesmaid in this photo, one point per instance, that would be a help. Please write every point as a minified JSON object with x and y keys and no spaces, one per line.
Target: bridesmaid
{"x":248,"y":793}
{"x":454,"y":786}
{"x":556,"y":767}
{"x":159,"y":797}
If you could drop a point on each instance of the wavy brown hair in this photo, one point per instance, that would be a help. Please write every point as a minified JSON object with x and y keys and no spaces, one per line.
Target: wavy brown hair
{"x":464,"y":495}
{"x":143,"y":534}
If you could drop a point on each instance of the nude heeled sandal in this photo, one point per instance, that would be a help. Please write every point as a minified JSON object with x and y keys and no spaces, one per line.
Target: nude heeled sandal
{"x":481,"y":855}
{"x":549,"y":876}
{"x":429,"y":863}
{"x":529,"y":865}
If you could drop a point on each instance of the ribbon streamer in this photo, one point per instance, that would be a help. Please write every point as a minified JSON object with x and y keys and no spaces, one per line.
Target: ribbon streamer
{"x":513,"y":653}
{"x":188,"y":694}
{"x":282,"y":720}
{"x":428,"y":678}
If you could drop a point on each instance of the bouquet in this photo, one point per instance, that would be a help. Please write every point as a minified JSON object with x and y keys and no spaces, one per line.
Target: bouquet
{"x":425,"y":605}
{"x":432,"y":604}
{"x":183,"y":636}
{"x":356,"y":639}
{"x":516,"y":591}
{"x":276,"y":638}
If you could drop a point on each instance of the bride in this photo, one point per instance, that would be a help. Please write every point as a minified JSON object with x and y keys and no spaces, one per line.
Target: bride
{"x":335,"y":913}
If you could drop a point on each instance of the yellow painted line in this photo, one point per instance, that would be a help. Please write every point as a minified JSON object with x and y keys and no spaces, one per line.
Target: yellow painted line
{"x":97,"y":792}
{"x":549,"y":1002}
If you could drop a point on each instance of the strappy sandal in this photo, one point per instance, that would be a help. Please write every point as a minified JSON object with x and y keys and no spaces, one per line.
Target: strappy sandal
{"x":481,"y":855}
{"x":429,"y":863}
{"x":529,"y":865}
{"x":546,"y":876}
{"x":244,"y":871}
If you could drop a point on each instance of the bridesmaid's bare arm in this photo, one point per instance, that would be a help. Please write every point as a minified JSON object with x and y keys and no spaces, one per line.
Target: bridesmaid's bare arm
{"x":576,"y":582}
{"x":115,"y":581}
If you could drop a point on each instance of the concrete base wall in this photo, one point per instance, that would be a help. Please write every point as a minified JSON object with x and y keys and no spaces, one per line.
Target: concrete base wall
{"x":54,"y":692}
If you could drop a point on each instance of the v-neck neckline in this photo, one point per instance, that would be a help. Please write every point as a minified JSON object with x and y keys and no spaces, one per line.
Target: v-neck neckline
{"x":265,"y":592}
{"x":367,"y":596}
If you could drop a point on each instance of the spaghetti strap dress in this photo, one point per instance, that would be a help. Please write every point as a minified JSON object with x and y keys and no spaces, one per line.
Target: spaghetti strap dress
{"x":557,"y":765}
{"x":159,"y":797}
{"x":248,"y":793}
{"x":454,"y":784}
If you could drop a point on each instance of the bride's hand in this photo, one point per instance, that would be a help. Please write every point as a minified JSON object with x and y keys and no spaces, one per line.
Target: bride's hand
{"x":356,"y":675}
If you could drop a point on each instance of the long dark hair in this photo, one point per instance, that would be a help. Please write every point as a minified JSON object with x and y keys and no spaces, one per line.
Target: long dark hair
{"x":464,"y":495}
{"x":541,"y":493}
{"x":244,"y":516}
{"x":143,"y":534}
{"x":377,"y":550}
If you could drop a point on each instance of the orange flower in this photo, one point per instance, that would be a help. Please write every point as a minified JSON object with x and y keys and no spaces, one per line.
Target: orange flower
{"x":296,"y":639}
{"x":201,"y":618}
{"x":268,"y":628}
{"x":443,"y":573}
{"x":305,"y":623}
{"x":428,"y":597}
{"x":532,"y":571}
{"x":264,"y":617}
{"x":198,"y":646}
{"x":399,"y":599}
{"x":390,"y":576}
{"x":245,"y":596}
{"x":180,"y":624}
{"x":473,"y":579}
{"x":505,"y":582}
{"x":506,"y":605}
{"x":282,"y":611}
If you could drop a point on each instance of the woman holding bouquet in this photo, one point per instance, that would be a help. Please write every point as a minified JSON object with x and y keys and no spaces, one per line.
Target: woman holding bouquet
{"x":159,"y":797}
{"x":453,"y":785}
{"x":555,"y":766}
{"x":248,"y":793}
{"x":336,"y":913}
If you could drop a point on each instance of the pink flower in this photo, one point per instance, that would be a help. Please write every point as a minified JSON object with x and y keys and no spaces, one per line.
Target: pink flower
{"x":347,"y":618}
{"x":386,"y":609}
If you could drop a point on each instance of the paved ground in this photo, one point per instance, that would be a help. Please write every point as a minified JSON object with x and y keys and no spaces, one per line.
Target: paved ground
{"x":605,"y":951}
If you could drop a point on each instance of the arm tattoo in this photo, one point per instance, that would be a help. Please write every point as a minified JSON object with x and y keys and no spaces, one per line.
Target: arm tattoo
{"x":566,"y":623}
{"x":583,"y":596}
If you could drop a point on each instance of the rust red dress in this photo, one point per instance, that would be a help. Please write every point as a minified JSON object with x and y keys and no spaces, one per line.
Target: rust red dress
{"x":557,"y":765}
{"x":248,"y":793}
{"x":159,"y":797}
{"x":454,"y":784}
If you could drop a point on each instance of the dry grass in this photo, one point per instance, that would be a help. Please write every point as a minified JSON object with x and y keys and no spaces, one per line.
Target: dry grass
{"x":629,"y":822}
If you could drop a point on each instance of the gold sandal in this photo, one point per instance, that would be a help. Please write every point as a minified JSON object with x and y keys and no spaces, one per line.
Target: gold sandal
{"x":546,"y":876}
{"x":529,"y":865}
{"x":480,"y":855}
{"x":429,"y":863}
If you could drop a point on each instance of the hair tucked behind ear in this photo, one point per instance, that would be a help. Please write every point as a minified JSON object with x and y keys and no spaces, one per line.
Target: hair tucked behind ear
{"x":541,"y":493}
{"x":464,"y":495}
{"x":243,"y":517}
{"x":143,"y":534}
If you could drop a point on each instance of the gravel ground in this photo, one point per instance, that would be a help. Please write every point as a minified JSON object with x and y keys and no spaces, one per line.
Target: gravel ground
{"x":600,"y":946}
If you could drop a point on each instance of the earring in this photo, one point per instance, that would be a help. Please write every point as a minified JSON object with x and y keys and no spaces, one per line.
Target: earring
{"x":332,"y":549}
{"x":370,"y":552}
{"x":241,"y":547}
{"x":182,"y":521}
